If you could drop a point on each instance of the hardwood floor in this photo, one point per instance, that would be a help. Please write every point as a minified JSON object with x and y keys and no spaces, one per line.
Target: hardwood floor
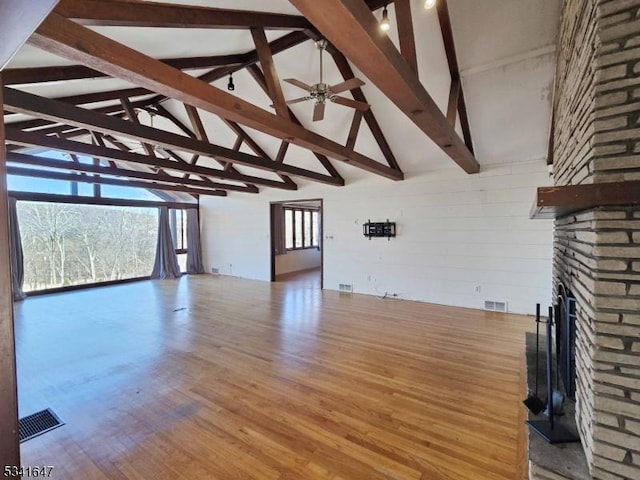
{"x":304,"y":279}
{"x":221,"y":378}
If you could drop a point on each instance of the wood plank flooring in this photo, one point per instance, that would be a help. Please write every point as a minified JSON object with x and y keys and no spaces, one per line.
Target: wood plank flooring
{"x":221,"y":378}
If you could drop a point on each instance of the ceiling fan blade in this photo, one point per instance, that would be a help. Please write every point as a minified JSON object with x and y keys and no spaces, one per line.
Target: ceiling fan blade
{"x":351,"y":103}
{"x":347,"y":85}
{"x":297,"y":100}
{"x":299,"y":84}
{"x":318,"y":111}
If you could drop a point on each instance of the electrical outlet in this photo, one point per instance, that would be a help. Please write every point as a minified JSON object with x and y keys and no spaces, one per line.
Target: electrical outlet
{"x":478,"y":289}
{"x":215,"y":270}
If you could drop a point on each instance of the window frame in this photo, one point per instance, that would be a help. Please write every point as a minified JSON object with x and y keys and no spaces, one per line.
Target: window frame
{"x":315,"y":242}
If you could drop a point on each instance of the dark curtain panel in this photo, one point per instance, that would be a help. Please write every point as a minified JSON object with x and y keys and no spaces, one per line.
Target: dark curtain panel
{"x":166,"y":263}
{"x":15,"y":250}
{"x":279,"y":247}
{"x":194,"y":247}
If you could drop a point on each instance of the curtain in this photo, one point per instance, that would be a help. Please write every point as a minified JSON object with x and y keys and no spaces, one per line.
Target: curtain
{"x":166,"y":262}
{"x":277,"y":214}
{"x":194,"y":247}
{"x":15,"y":251}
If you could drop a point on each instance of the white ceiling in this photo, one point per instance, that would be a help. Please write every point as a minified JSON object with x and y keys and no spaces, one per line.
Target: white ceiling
{"x":506,"y":55}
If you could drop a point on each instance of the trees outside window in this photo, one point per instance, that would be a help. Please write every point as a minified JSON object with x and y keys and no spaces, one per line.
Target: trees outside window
{"x":67,"y":244}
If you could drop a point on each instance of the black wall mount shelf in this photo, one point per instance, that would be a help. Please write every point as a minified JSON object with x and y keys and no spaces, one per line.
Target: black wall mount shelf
{"x":379,"y":229}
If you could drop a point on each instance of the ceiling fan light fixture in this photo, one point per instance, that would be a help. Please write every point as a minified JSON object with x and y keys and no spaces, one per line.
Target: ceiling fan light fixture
{"x":428,"y":4}
{"x":230,"y":86}
{"x":384,"y":22}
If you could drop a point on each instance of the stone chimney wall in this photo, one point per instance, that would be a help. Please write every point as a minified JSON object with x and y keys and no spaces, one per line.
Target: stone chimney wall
{"x":597,"y":252}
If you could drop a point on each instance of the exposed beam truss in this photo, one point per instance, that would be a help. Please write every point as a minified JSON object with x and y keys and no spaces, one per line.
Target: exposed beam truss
{"x":347,"y":72}
{"x":30,"y":139}
{"x":457,"y":94}
{"x":55,"y":111}
{"x":405,"y":33}
{"x":156,"y":14}
{"x":353,"y":29}
{"x":24,"y":76}
{"x":259,"y":77}
{"x":201,"y":134}
{"x":72,"y":177}
{"x":61,"y":36}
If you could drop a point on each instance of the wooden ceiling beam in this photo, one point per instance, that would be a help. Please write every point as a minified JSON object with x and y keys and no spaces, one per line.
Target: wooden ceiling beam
{"x":163,"y":112}
{"x":406,"y":36}
{"x":358,"y":95}
{"x":32,"y":160}
{"x":37,"y":123}
{"x":32,"y":75}
{"x":29,"y":139}
{"x":274,"y":88}
{"x":355,"y":128}
{"x":452,"y":59}
{"x":258,"y":150}
{"x":352,"y":28}
{"x":63,"y":37}
{"x":282,"y":151}
{"x":73,"y":177}
{"x":259,"y":77}
{"x":201,"y":134}
{"x":167,"y":15}
{"x":454,"y":102}
{"x":279,"y":45}
{"x":22,"y":102}
{"x":130,"y":112}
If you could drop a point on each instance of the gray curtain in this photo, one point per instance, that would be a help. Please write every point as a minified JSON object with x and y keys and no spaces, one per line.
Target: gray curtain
{"x":166,"y":263}
{"x":279,"y":247}
{"x":194,"y":247}
{"x":15,"y":250}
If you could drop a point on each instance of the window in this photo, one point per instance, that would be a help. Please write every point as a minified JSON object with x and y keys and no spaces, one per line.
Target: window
{"x":66,"y":244}
{"x":301,"y":228}
{"x":178,"y":223}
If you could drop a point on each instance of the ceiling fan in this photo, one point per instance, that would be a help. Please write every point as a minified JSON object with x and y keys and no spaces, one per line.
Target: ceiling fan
{"x":321,"y":92}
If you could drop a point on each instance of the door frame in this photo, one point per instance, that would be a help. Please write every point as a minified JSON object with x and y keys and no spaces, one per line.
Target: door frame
{"x":320,"y":230}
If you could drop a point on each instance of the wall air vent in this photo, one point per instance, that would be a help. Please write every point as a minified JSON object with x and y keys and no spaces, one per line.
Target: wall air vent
{"x":495,"y":306}
{"x":345,"y":288}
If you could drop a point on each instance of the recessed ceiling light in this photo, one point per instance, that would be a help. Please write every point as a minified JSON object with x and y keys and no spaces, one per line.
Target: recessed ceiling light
{"x":429,"y":4}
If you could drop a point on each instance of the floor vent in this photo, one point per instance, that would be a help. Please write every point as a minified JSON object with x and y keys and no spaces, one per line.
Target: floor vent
{"x":38,"y":423}
{"x":494,"y":306}
{"x":345,"y":288}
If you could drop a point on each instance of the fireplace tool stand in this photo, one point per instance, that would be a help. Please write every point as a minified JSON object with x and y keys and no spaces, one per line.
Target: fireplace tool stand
{"x":548,"y":429}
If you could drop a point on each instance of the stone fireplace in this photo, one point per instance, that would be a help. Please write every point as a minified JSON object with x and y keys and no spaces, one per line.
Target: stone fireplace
{"x":596,"y":139}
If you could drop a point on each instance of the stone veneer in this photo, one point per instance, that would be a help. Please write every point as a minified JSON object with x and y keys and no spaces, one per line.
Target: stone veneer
{"x":597,"y":252}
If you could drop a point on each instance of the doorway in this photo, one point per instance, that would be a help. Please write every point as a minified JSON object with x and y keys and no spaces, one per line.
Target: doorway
{"x":296,"y":242}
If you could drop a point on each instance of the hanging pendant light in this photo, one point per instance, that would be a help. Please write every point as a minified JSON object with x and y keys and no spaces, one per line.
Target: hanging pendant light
{"x":384,"y":22}
{"x":230,"y":86}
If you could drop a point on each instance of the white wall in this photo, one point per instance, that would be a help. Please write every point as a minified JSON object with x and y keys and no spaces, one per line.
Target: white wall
{"x":296,"y":260}
{"x":457,"y":234}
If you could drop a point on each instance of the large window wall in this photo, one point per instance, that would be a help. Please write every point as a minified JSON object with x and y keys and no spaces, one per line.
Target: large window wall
{"x":70,"y":244}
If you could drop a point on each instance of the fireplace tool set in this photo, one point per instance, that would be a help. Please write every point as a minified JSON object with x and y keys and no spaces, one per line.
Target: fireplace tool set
{"x":548,"y":428}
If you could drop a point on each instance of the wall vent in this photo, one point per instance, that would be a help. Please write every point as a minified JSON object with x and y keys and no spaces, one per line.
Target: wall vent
{"x":495,"y":306}
{"x":215,"y":270}
{"x":345,"y":287}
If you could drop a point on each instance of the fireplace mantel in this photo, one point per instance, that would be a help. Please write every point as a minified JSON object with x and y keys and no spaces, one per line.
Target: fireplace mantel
{"x":554,"y":202}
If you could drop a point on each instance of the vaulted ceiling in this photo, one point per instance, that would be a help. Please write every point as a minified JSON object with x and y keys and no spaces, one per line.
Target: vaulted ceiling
{"x":464,"y":85}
